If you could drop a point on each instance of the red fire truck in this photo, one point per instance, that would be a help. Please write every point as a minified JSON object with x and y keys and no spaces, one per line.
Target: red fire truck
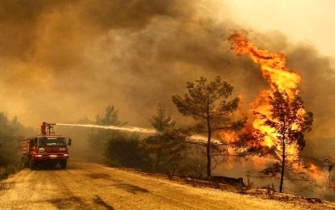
{"x":45,"y":149}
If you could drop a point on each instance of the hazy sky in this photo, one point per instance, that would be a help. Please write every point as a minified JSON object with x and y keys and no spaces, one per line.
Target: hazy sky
{"x":64,"y":60}
{"x":302,"y":20}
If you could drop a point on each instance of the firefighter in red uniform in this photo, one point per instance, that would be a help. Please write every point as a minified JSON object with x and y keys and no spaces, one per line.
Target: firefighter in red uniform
{"x":43,"y":128}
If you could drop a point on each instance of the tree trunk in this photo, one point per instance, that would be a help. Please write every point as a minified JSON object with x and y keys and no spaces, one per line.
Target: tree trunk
{"x":157,"y":161}
{"x":209,"y":164}
{"x":282,"y":166}
{"x":209,"y":161}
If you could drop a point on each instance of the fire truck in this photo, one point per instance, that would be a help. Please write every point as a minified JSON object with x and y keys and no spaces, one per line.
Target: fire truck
{"x":46,"y":149}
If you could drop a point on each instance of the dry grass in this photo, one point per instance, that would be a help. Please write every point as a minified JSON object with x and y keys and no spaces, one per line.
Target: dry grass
{"x":268,"y":194}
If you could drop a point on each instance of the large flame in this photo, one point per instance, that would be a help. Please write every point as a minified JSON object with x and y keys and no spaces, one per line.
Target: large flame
{"x":275,"y":72}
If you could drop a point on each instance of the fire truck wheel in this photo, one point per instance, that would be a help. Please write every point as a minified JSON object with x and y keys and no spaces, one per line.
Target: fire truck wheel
{"x":63,"y":164}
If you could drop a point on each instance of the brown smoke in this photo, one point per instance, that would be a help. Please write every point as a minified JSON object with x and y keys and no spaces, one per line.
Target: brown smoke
{"x":64,"y":60}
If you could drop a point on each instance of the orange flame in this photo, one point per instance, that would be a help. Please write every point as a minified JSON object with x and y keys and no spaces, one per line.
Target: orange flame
{"x":275,"y":72}
{"x":314,"y":169}
{"x":273,"y":65}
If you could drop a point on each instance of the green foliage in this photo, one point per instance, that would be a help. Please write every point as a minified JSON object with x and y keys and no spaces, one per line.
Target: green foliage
{"x":120,"y":149}
{"x":208,"y":104}
{"x":10,"y":140}
{"x":10,"y":144}
{"x":111,"y":117}
{"x":166,"y":149}
{"x":98,"y":138}
{"x":123,"y":150}
{"x":161,"y":120}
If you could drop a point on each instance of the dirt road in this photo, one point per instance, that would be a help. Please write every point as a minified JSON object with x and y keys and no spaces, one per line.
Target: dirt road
{"x":93,"y":186}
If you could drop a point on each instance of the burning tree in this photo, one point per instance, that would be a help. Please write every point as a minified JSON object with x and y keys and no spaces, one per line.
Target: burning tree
{"x":207,"y":104}
{"x":281,"y":120}
{"x":286,"y":127}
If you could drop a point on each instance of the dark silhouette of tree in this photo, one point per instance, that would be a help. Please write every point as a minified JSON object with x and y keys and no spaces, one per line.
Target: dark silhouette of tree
{"x":111,"y":117}
{"x":289,"y":124}
{"x":123,"y":150}
{"x":117,"y":148}
{"x":161,"y":120}
{"x":207,"y":103}
{"x":166,"y":147}
{"x":11,"y":134}
{"x":98,"y":138}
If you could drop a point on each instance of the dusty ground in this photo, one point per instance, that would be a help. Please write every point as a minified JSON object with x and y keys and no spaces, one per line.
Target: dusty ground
{"x":93,"y":186}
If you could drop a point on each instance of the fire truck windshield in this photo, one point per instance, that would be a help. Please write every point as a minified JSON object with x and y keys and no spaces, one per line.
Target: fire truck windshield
{"x":52,"y":142}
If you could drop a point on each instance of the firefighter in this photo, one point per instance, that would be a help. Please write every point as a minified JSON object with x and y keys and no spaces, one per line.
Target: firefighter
{"x":43,"y":128}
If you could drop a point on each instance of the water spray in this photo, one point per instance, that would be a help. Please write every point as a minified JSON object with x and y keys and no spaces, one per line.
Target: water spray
{"x":129,"y":129}
{"x":193,"y":138}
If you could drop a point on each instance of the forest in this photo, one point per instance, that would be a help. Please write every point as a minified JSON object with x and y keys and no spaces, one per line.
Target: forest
{"x":220,"y":136}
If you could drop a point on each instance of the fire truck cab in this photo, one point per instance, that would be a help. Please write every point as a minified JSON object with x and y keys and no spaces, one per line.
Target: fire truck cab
{"x":46,"y":149}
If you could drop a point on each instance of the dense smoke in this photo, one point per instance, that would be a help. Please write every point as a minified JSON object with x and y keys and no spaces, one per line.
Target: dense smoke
{"x":64,"y":60}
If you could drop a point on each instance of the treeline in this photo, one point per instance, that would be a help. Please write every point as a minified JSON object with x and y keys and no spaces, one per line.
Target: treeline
{"x":163,"y":152}
{"x":11,"y":134}
{"x":220,"y":131}
{"x":198,"y":149}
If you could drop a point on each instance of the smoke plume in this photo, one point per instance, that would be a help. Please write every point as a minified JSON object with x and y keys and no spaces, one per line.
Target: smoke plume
{"x":65,"y":60}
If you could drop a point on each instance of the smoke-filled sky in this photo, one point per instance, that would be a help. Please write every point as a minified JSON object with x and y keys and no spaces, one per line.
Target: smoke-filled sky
{"x":301,"y":20}
{"x":65,"y":60}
